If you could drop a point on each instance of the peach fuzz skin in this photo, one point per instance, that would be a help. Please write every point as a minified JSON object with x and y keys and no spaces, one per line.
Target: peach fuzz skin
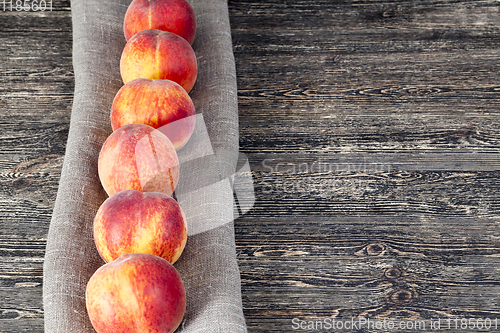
{"x":161,"y":104}
{"x":176,"y":16}
{"x":135,"y":222}
{"x":138,"y":157}
{"x":155,"y":54}
{"x":137,"y":292}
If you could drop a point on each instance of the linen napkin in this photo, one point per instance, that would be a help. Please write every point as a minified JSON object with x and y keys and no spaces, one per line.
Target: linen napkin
{"x":209,"y":167}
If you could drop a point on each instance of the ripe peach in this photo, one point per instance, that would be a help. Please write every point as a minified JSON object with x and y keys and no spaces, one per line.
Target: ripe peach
{"x":135,"y":222}
{"x":138,"y":157}
{"x":162,"y":104}
{"x":175,"y":16}
{"x":137,"y":292}
{"x":155,"y":54}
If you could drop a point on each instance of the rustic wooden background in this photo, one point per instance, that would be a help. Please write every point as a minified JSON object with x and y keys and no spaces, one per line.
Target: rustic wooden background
{"x":372,"y":128}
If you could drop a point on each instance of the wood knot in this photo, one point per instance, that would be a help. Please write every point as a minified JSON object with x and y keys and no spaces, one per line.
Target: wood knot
{"x":21,"y":183}
{"x":392,"y":273}
{"x":401,"y":296}
{"x":388,"y":14}
{"x":465,"y":131}
{"x":375,"y":249}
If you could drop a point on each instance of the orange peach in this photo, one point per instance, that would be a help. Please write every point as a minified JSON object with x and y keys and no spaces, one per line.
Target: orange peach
{"x":137,"y":292}
{"x":155,"y":54}
{"x":135,"y":222}
{"x":138,"y":157}
{"x":162,"y":104}
{"x":175,"y":16}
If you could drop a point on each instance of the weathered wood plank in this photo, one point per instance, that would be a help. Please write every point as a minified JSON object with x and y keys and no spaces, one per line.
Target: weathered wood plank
{"x":282,"y":15}
{"x":36,"y":89}
{"x":367,"y":124}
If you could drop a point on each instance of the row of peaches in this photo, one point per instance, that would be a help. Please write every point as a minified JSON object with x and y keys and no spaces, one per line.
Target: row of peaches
{"x":140,"y":230}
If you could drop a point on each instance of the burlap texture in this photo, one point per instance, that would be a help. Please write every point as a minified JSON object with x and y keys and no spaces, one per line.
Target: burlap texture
{"x":208,"y":265}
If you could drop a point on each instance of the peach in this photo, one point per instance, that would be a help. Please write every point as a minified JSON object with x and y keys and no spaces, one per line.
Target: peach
{"x":162,"y":104}
{"x":135,"y":222}
{"x":176,"y":16}
{"x":137,"y":292}
{"x":138,"y":157}
{"x":155,"y":54}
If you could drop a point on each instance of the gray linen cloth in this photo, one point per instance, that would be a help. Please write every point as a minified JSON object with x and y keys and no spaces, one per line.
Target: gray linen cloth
{"x":208,"y":264}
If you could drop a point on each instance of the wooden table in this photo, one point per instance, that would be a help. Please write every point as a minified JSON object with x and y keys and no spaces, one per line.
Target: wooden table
{"x":372,"y":128}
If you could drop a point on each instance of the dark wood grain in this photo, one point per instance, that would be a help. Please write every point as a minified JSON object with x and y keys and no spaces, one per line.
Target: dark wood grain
{"x":36,"y":90}
{"x":373,"y":136}
{"x":372,"y":130}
